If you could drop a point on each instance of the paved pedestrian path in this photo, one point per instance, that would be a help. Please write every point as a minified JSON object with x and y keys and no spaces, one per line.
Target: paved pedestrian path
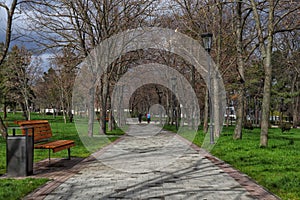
{"x":149,"y":163}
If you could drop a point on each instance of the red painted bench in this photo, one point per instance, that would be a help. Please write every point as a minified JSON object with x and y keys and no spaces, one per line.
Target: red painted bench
{"x":42,"y":136}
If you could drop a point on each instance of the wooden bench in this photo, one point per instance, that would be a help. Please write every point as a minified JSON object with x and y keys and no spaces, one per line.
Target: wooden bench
{"x":42,"y":135}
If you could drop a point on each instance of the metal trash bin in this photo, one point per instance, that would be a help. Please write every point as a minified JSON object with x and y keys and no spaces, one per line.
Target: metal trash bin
{"x":19,"y":152}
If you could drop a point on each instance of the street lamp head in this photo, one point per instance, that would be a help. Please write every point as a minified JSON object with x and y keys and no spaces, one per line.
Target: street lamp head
{"x":207,"y":41}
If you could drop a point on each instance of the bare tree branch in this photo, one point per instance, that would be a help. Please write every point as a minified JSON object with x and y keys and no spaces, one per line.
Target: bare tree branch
{"x":10,"y":13}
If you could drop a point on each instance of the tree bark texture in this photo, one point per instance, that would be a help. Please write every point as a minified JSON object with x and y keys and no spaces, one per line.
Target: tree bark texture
{"x":240,"y":69}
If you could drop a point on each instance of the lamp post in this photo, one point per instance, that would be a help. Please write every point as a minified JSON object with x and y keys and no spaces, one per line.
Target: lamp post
{"x":207,"y":42}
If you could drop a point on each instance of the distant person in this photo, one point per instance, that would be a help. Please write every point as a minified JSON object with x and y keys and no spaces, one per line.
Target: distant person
{"x":140,"y":117}
{"x":148,"y":118}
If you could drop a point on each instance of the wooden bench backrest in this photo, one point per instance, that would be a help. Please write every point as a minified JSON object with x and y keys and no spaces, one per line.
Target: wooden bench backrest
{"x":42,"y":129}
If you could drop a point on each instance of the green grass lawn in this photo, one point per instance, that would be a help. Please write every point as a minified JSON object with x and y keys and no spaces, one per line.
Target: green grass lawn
{"x":15,"y":189}
{"x":18,"y":188}
{"x":276,"y":167}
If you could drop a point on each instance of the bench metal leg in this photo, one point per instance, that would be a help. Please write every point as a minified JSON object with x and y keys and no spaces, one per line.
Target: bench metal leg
{"x":49,"y":156}
{"x":69,"y":154}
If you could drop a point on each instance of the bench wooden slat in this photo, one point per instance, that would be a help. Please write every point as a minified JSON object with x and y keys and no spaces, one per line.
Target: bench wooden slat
{"x":42,"y":132}
{"x":41,"y":127}
{"x":54,"y":144}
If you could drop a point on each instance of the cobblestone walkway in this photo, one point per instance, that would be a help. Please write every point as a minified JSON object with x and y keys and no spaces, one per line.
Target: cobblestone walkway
{"x":154,"y":166}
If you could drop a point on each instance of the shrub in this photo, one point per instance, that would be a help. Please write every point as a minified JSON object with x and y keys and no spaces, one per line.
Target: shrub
{"x":248,"y":125}
{"x":285,"y":127}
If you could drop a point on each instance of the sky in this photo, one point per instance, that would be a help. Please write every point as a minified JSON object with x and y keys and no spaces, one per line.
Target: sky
{"x":2,"y":24}
{"x":17,"y":24}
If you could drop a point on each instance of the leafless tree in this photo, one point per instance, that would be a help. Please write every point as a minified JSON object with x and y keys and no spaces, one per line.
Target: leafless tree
{"x":83,"y":24}
{"x":65,"y":65}
{"x":270,"y":17}
{"x":21,"y":73}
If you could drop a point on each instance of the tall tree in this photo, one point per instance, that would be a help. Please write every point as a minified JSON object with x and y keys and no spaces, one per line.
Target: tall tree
{"x":265,"y":47}
{"x":65,"y":64}
{"x":47,"y":91}
{"x":21,"y":73}
{"x":240,"y":69}
{"x":270,"y":17}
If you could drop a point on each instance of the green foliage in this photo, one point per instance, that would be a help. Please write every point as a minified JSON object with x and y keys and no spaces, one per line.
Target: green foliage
{"x":255,"y":76}
{"x":14,"y":189}
{"x":284,"y":81}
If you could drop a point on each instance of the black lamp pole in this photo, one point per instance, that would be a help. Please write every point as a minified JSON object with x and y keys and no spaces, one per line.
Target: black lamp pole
{"x":207,"y":42}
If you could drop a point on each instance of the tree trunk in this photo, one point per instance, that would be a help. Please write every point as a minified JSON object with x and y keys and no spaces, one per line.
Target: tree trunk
{"x":265,"y":115}
{"x":295,"y":102}
{"x":168,"y":109}
{"x":70,"y":115}
{"x":227,"y":112}
{"x":63,"y":106}
{"x":104,"y":96}
{"x":265,"y":47}
{"x":295,"y":111}
{"x":27,"y":108}
{"x":216,"y":111}
{"x":103,"y":119}
{"x":5,"y":111}
{"x":268,"y":78}
{"x":111,"y":122}
{"x":266,"y":101}
{"x":24,"y":111}
{"x":239,"y":115}
{"x":91,"y":111}
{"x":240,"y":69}
{"x":3,"y":128}
{"x":110,"y":115}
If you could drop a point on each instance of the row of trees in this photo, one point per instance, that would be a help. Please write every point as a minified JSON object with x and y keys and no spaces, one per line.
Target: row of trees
{"x":18,"y":74}
{"x":256,"y":45}
{"x":24,"y":85}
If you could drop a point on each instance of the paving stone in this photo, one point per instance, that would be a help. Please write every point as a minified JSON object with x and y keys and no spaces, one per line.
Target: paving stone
{"x":157,"y":166}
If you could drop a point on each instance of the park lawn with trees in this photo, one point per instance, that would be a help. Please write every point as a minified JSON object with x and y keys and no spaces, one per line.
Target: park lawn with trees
{"x":255,"y":47}
{"x":275,"y":167}
{"x":17,"y":188}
